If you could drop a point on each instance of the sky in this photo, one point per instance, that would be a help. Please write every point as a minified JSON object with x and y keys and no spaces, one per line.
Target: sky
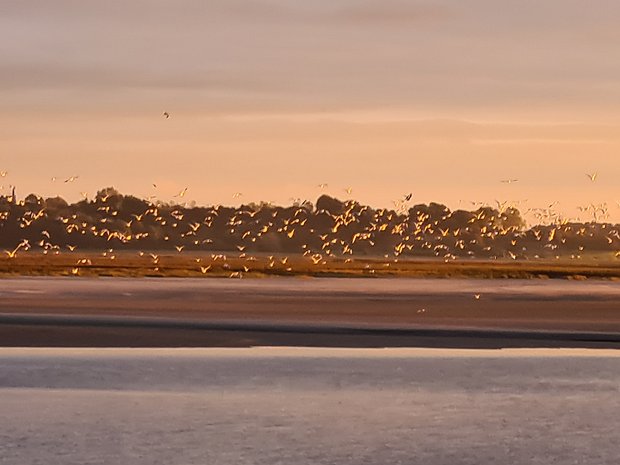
{"x":270,"y":98}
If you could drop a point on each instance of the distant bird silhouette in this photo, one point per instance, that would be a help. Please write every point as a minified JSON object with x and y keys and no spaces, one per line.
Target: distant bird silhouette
{"x":182,"y":193}
{"x":592,"y":176}
{"x":166,"y":115}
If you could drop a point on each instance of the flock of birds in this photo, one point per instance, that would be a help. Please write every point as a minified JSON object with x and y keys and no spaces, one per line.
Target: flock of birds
{"x":332,"y":229}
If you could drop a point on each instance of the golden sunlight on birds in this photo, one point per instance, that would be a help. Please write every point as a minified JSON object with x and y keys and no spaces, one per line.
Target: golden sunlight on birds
{"x":324,"y":233}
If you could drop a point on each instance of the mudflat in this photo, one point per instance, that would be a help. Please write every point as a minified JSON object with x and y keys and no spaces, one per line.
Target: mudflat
{"x":151,"y":312}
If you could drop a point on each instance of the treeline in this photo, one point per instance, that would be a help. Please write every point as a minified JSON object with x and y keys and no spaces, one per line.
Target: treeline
{"x":330,"y":227}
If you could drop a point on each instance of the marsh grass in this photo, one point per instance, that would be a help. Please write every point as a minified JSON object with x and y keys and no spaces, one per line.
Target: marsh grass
{"x":130,"y":264}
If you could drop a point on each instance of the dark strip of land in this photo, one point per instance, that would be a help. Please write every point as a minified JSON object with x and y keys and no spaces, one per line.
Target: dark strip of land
{"x":104,"y":331}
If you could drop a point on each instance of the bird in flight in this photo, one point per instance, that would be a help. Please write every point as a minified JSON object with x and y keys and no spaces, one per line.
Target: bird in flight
{"x":165,"y":114}
{"x":71,"y":179}
{"x":3,"y":174}
{"x":182,"y":193}
{"x":509,"y":181}
{"x":23,"y":244}
{"x":592,"y":176}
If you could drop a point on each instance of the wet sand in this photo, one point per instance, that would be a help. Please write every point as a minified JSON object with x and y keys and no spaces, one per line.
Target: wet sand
{"x":329,"y":312}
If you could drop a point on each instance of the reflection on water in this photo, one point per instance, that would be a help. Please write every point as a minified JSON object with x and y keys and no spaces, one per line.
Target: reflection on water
{"x":268,"y":406}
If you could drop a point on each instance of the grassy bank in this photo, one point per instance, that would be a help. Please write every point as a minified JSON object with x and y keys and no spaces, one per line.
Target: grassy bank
{"x":132,"y":264}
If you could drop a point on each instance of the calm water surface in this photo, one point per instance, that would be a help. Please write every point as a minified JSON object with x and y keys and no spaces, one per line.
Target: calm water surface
{"x":308,"y":406}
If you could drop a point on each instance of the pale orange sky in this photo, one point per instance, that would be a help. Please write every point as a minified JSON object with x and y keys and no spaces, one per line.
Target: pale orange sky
{"x":443,"y":99}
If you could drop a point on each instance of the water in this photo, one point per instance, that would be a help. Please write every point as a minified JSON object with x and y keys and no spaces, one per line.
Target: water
{"x":308,"y":406}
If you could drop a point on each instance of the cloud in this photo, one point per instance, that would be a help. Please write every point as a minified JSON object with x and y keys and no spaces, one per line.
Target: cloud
{"x":344,"y":12}
{"x":342,"y":54}
{"x":394,"y":12}
{"x":83,"y":77}
{"x":347,"y":11}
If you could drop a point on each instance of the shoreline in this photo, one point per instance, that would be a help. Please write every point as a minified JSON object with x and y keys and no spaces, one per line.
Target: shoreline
{"x":297,"y":352}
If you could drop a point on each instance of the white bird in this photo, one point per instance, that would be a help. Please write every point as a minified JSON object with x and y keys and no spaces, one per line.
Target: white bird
{"x":182,"y":193}
{"x":23,"y":244}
